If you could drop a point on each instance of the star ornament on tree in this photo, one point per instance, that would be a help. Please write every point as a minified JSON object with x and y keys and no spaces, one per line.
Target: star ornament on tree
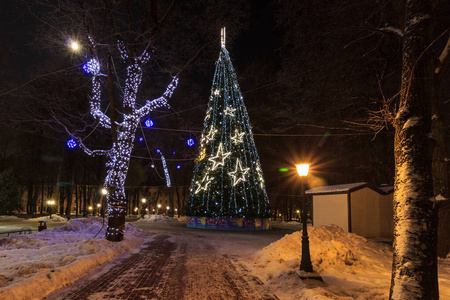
{"x":237,"y":138}
{"x":239,"y":173}
{"x":204,"y":184}
{"x":229,"y":111}
{"x":210,"y":136}
{"x":220,"y":157}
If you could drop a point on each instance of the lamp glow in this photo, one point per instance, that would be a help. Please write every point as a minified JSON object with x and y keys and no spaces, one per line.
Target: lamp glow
{"x":104,"y":191}
{"x":302,"y":169}
{"x":74,"y":45}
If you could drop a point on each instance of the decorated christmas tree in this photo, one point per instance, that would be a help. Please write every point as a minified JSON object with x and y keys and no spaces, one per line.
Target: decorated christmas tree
{"x":228,"y":180}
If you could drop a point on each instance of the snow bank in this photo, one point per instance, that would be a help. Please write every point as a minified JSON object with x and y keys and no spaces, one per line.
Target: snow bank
{"x":349,"y":264}
{"x":55,"y":218}
{"x":34,"y":265}
{"x":9,"y":218}
{"x":157,"y":219}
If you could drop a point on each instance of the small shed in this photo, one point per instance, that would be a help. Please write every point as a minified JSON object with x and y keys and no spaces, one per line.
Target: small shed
{"x":356,"y":207}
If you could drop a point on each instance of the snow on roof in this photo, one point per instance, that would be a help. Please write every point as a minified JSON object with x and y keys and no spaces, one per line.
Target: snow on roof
{"x":386,"y":188}
{"x":339,"y":188}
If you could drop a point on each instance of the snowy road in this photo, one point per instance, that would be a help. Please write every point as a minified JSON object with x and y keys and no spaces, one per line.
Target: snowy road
{"x":179,"y":263}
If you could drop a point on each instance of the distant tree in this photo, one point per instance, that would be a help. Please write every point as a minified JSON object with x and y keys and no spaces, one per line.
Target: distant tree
{"x":9,"y":193}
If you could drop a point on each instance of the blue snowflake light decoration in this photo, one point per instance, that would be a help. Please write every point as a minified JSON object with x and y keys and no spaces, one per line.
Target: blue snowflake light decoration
{"x":92,"y":66}
{"x":149,"y":123}
{"x":71,"y":143}
{"x":190,"y":142}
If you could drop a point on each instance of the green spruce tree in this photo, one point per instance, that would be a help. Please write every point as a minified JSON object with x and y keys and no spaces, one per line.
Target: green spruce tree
{"x":228,"y":179}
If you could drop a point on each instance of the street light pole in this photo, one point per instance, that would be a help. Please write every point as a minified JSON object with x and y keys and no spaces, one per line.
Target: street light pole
{"x":306,"y":270}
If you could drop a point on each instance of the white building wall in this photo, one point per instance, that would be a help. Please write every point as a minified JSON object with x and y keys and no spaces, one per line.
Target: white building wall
{"x":330,"y":209}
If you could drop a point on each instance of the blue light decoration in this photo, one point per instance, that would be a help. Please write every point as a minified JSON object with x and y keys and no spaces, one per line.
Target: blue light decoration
{"x":92,"y":67}
{"x":158,"y":151}
{"x":190,"y":142}
{"x":149,"y":123}
{"x":178,"y":167}
{"x":71,"y":143}
{"x":173,"y":152}
{"x":141,"y":139}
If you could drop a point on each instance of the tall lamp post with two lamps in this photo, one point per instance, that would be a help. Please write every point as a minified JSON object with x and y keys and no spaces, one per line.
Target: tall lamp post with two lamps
{"x":306,"y":270}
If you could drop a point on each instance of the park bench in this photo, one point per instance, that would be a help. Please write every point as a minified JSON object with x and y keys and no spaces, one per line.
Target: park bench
{"x":19,"y":231}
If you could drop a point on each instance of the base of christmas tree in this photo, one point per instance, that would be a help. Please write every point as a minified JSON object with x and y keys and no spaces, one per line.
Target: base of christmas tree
{"x":220,"y":223}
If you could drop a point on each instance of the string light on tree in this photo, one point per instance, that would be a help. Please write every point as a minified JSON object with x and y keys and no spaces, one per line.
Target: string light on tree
{"x":227,"y":179}
{"x":118,"y":156}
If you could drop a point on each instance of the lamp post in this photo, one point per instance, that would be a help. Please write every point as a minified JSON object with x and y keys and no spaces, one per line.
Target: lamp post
{"x":159,"y":206}
{"x":306,"y":270}
{"x":143,"y":206}
{"x":50,"y":203}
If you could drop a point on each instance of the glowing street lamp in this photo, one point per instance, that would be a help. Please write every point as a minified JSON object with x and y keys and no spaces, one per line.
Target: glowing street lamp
{"x":74,"y":45}
{"x":104,"y":191}
{"x":144,"y":209}
{"x":50,"y":203}
{"x":306,"y":270}
{"x":159,"y":206}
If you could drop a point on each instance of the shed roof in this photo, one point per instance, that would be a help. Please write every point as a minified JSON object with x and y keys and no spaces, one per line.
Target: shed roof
{"x":347,"y":188}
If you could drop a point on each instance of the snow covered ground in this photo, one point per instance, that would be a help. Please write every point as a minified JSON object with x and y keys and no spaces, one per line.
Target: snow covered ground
{"x":34,"y":265}
{"x":351,"y":266}
{"x":157,"y":219}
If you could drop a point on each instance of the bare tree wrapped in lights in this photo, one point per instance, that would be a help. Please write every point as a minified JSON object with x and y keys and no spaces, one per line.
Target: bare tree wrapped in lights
{"x":118,"y":156}
{"x":228,"y":180}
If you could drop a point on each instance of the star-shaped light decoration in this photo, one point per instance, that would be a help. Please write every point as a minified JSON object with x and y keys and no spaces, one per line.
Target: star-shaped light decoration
{"x":208,"y":113}
{"x":260,"y":177}
{"x":216,"y":92}
{"x":239,"y":173}
{"x":204,"y":184}
{"x":210,"y":136}
{"x":229,"y":111}
{"x":237,"y":138}
{"x":220,"y":157}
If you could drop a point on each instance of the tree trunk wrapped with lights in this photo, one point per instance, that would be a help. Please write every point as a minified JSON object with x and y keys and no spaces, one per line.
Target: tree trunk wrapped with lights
{"x":118,"y":157}
{"x":228,"y":180}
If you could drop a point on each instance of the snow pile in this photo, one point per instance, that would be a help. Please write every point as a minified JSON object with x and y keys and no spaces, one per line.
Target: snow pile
{"x":157,"y":219}
{"x":349,"y":264}
{"x":55,"y":218}
{"x":8,"y":218}
{"x":36,"y":264}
